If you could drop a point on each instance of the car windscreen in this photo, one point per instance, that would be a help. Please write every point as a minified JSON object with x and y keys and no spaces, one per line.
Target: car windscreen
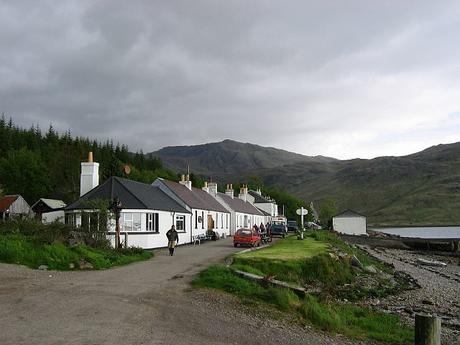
{"x":244,"y":233}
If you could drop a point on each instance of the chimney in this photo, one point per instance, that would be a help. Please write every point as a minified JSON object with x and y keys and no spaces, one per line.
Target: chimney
{"x":229,"y":191}
{"x":212,"y":188}
{"x":205,"y":188}
{"x":185,"y":180}
{"x":89,"y":177}
{"x":243,"y":193}
{"x":258,"y":191}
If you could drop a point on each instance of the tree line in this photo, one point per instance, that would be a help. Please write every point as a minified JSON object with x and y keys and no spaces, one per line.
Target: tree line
{"x":37,"y":164}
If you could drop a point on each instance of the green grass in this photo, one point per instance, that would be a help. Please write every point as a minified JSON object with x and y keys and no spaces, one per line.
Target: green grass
{"x":20,"y":249}
{"x":335,"y":241}
{"x":289,"y":249}
{"x":352,"y":321}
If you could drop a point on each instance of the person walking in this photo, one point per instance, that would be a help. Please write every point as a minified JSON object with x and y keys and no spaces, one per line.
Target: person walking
{"x":173,"y":239}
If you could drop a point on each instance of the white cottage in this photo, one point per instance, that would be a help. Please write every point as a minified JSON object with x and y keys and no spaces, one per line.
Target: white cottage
{"x":350,"y":223}
{"x":207,"y":213}
{"x":266,"y":204}
{"x":147,"y":212}
{"x":242,"y":213}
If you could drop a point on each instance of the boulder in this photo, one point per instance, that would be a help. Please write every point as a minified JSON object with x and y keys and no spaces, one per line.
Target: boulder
{"x":43,"y":267}
{"x":85,"y":265}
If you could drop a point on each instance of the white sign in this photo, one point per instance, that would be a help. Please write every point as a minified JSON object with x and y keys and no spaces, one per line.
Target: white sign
{"x":302,"y":211}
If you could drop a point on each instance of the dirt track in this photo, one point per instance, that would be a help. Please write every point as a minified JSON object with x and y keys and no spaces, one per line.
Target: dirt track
{"x":144,"y":303}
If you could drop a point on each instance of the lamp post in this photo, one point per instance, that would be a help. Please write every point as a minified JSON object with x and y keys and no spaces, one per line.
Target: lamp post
{"x":116,"y":208}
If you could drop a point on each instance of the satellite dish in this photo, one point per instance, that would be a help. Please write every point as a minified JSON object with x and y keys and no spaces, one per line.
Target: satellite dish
{"x":126,"y":169}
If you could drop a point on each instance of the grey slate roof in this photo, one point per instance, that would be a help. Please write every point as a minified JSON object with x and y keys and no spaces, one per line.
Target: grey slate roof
{"x":195,"y":198}
{"x":349,"y":213}
{"x":259,"y":199}
{"x":132,"y":195}
{"x":239,"y":205}
{"x":53,"y":204}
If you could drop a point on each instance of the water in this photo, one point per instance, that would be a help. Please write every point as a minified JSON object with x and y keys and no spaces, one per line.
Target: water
{"x":423,"y":232}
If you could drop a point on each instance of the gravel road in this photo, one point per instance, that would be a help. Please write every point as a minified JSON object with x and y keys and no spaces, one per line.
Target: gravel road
{"x":143,"y":303}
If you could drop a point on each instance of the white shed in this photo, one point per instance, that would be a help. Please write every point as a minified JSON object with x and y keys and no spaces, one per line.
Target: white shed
{"x":350,"y":223}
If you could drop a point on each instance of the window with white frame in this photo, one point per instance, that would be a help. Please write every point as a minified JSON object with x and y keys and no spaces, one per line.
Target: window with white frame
{"x":151,"y":222}
{"x":222,"y":221}
{"x":217,"y":220}
{"x":180,"y":223}
{"x":130,"y":221}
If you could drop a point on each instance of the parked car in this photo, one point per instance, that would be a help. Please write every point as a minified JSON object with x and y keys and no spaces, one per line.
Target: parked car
{"x":248,"y":237}
{"x":292,"y":225}
{"x":314,"y":226}
{"x":278,"y":230}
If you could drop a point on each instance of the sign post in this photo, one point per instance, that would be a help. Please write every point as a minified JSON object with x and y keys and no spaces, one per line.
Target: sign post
{"x":301,"y":212}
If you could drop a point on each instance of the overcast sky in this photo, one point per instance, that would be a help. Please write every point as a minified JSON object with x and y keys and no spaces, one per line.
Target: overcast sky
{"x":338,"y":78}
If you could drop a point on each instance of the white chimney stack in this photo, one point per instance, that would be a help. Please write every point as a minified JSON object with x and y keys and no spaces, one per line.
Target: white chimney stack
{"x":244,"y":193}
{"x":89,"y":177}
{"x":212,"y":188}
{"x":205,"y":188}
{"x":229,"y":191}
{"x":185,"y":181}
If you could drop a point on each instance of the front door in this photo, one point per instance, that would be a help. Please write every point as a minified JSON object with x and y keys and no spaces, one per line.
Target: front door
{"x":210,"y":222}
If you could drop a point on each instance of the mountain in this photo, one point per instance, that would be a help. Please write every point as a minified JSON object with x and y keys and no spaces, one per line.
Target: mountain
{"x":421,"y":188}
{"x":229,"y":157}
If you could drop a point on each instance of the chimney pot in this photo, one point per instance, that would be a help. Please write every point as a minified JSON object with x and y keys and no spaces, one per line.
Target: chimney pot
{"x":90,"y":157}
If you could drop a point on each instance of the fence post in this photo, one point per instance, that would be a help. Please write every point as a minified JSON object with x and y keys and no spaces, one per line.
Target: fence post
{"x":427,"y":330}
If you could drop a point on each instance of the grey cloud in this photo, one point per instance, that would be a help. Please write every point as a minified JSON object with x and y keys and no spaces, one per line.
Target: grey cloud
{"x":288,"y":74}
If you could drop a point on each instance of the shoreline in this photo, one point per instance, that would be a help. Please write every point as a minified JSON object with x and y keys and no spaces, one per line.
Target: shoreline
{"x":439,"y":287}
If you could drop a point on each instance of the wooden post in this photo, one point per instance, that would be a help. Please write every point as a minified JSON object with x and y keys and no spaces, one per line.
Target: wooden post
{"x":427,"y":330}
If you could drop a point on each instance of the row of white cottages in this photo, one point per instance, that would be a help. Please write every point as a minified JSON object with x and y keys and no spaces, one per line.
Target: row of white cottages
{"x":149,"y":211}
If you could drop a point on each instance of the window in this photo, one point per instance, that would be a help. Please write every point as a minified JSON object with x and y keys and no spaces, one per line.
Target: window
{"x":202,"y":219}
{"x":196,"y":219}
{"x":180,"y":223}
{"x":217,"y":220}
{"x":151,"y":222}
{"x":222,"y":221}
{"x":226,"y":222}
{"x":127,"y":222}
{"x":70,"y":219}
{"x":130,"y":221}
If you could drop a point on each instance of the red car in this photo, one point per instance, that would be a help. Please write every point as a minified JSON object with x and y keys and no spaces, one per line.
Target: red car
{"x":247,"y":237}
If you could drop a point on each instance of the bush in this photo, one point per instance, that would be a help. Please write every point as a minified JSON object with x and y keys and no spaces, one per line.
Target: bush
{"x":20,"y":249}
{"x":36,"y":230}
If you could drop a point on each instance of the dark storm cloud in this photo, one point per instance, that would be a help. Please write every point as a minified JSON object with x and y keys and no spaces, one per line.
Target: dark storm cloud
{"x":341,"y":79}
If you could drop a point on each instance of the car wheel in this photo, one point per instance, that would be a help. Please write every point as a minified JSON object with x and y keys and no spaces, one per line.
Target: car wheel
{"x":258,"y":244}
{"x":284,"y":235}
{"x":235,"y":245}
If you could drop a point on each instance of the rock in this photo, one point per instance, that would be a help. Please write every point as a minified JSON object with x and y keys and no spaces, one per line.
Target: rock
{"x":71,"y":265}
{"x":355,"y":262}
{"x":84,"y":265}
{"x":43,"y":267}
{"x":334,"y":257}
{"x":427,"y":301}
{"x":370,"y":269}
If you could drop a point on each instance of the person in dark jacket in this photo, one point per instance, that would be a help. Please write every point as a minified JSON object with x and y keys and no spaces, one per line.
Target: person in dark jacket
{"x":173,"y":239}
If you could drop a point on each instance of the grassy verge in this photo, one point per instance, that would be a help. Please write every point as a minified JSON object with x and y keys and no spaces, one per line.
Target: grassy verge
{"x":321,"y":262}
{"x":289,"y":249}
{"x":20,"y":249}
{"x":352,"y":321}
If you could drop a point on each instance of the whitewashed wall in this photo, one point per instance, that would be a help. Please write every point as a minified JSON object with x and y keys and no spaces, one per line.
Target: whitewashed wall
{"x":148,"y":239}
{"x":350,"y":225}
{"x":50,"y":217}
